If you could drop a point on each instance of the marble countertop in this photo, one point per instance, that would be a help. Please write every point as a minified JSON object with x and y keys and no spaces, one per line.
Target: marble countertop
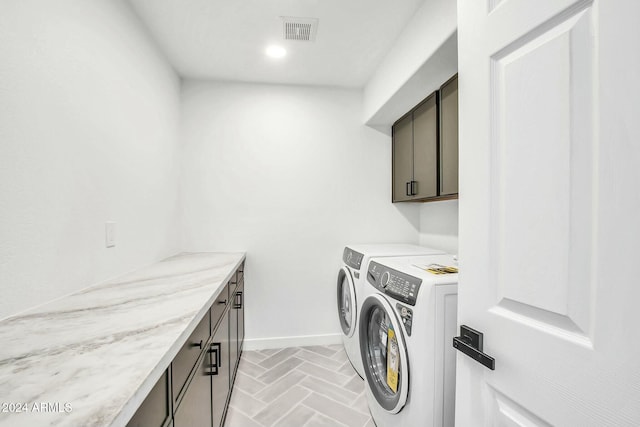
{"x":92,"y":357}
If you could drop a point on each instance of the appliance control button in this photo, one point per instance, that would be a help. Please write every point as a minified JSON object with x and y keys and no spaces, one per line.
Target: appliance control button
{"x":385,"y":279}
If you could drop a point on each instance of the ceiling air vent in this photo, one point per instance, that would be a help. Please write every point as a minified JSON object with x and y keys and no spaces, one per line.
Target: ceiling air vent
{"x":301,"y":29}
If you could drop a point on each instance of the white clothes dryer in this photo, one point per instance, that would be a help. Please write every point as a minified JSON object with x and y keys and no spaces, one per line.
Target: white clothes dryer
{"x":407,"y":323}
{"x":351,"y":278}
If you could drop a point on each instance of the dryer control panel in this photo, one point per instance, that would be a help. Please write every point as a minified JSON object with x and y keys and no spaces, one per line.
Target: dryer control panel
{"x":352,"y":258}
{"x":394,"y":283}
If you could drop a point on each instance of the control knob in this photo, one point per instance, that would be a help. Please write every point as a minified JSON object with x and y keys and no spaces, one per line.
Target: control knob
{"x":384,"y":279}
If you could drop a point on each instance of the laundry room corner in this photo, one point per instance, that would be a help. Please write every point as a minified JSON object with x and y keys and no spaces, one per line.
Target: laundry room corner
{"x":439,"y":225}
{"x":289,"y":174}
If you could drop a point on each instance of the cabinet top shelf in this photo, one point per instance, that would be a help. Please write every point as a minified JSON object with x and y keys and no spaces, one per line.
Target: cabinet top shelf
{"x":90,"y":358}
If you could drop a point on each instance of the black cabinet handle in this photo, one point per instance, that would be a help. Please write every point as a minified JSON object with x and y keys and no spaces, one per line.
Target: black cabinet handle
{"x":470,"y":343}
{"x":198,"y":344}
{"x":414,"y":185}
{"x":223,"y":302}
{"x":407,"y":191}
{"x":216,"y":349}
{"x":238,"y":301}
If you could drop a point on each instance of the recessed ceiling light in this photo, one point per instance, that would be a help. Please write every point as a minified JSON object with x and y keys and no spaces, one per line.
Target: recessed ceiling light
{"x":274,"y":51}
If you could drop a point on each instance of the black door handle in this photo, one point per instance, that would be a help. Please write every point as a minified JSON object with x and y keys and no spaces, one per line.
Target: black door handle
{"x":413,"y":188}
{"x":238,"y":303}
{"x":406,"y":190}
{"x":216,"y":349}
{"x":470,"y":343}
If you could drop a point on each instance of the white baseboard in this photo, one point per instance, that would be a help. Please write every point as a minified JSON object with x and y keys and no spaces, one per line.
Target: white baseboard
{"x":282,"y":342}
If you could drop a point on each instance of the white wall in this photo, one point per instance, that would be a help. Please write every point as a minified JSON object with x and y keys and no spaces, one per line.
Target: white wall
{"x":89,"y":116}
{"x":291,"y":175}
{"x":439,"y":225}
{"x":422,"y":58}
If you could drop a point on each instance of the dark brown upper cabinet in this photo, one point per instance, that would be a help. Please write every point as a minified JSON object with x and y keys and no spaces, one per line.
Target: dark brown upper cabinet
{"x":449,"y":138}
{"x":425,"y":148}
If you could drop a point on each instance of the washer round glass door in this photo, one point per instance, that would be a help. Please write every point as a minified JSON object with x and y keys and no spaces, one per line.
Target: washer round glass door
{"x":346,"y":302}
{"x":384,"y":353}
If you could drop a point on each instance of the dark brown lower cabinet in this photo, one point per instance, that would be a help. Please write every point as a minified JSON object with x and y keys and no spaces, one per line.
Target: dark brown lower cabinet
{"x":236,"y":327}
{"x":195,"y":407}
{"x":220,"y":369}
{"x":185,"y":360}
{"x":155,"y":411}
{"x":233,"y":335}
{"x":240,"y":308}
{"x":203,"y":371}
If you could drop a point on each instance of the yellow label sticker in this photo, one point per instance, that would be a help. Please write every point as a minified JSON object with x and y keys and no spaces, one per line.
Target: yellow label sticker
{"x":392,"y":360}
{"x":439,"y":269}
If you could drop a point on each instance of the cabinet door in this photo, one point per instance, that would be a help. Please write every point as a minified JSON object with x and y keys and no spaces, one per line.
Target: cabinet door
{"x":240,"y":296}
{"x":195,"y":407}
{"x":425,"y":149}
{"x":402,"y":147}
{"x":449,"y":137}
{"x":236,"y":330}
{"x":219,"y":355}
{"x":219,"y":306}
{"x":233,"y":334}
{"x":155,"y":410}
{"x":186,"y":359}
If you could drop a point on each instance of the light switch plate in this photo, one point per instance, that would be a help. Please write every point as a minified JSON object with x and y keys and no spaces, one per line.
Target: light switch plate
{"x":110,"y":234}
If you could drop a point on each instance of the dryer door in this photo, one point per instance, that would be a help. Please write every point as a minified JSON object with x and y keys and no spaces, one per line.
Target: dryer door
{"x":384,"y":353}
{"x":346,"y":302}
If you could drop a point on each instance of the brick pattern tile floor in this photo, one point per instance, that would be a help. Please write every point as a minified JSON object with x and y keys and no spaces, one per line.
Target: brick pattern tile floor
{"x":298,"y":387}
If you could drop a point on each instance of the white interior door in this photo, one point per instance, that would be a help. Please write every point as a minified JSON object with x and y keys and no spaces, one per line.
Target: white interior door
{"x":550,"y":211}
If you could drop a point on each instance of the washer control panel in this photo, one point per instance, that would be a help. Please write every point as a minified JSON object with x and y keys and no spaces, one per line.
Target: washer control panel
{"x":396,"y":284}
{"x":352,"y":258}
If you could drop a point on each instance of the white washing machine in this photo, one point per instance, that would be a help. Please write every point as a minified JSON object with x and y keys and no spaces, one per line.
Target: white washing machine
{"x":407,"y":323}
{"x":351,"y":279}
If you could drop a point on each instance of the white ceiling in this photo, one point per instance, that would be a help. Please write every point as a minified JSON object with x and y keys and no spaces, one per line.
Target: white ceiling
{"x":225,"y":40}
